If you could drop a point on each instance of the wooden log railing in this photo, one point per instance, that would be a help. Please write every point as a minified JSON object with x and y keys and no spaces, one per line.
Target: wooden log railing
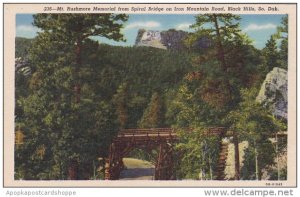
{"x":169,"y":131}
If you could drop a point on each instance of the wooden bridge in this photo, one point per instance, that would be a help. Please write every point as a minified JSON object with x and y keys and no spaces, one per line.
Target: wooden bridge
{"x":146,"y":139}
{"x":162,"y":139}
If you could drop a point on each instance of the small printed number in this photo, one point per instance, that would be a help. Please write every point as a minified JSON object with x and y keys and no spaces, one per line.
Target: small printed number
{"x":273,"y":184}
{"x":47,"y":8}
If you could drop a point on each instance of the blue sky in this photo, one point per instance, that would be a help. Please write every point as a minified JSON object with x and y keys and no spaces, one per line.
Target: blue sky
{"x":258,"y":27}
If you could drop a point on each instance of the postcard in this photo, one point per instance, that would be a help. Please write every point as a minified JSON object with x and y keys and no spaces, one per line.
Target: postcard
{"x":150,"y":95}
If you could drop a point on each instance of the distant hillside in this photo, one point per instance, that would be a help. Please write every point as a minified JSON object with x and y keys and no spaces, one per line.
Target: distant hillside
{"x":22,"y":46}
{"x":105,"y":68}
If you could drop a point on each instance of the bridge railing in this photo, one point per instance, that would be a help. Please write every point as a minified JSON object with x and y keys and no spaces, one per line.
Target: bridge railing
{"x":212,"y":131}
{"x":168,"y":131}
{"x":148,"y":130}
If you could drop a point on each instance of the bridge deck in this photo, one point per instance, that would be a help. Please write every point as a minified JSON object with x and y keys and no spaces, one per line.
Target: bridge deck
{"x":170,"y":133}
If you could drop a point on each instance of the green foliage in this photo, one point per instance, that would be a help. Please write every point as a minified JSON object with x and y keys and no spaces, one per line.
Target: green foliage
{"x":192,"y":117}
{"x":266,"y":155}
{"x":254,"y":123}
{"x":282,"y":34}
{"x":271,"y":56}
{"x":229,"y":62}
{"x":22,"y":46}
{"x":251,"y":120}
{"x":153,"y":116}
{"x":199,"y":154}
{"x":282,"y":174}
{"x":275,"y":53}
{"x":120,"y":100}
{"x":228,"y":25}
{"x":129,"y":87}
{"x":58,"y":129}
{"x":212,"y":89}
{"x":50,"y":105}
{"x":212,"y":94}
{"x":149,"y":155}
{"x":271,"y":53}
{"x":188,"y":110}
{"x":79,"y":27}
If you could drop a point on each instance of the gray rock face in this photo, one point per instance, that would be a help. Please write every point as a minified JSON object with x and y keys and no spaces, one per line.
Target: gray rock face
{"x":171,"y":39}
{"x":149,"y":38}
{"x":22,"y":67}
{"x":273,"y":92}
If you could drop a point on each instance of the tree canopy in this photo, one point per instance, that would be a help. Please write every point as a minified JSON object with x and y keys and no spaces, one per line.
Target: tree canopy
{"x":73,"y":94}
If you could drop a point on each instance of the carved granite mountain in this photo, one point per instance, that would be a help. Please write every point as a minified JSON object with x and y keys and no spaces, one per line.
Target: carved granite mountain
{"x":273,"y":92}
{"x":171,"y":39}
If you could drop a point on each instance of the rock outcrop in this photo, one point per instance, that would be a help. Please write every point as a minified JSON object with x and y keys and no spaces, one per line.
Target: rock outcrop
{"x":173,"y":39}
{"x":22,"y":67}
{"x":273,"y":92}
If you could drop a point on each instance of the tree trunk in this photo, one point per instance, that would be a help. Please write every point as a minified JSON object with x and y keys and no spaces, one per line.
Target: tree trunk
{"x":221,"y":55}
{"x":236,"y":156}
{"x":73,"y":166}
{"x":77,"y":87}
{"x":256,"y":165}
{"x":257,"y":168}
{"x":221,"y":52}
{"x":73,"y":170}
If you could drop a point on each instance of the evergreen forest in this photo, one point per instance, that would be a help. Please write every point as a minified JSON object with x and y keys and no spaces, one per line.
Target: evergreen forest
{"x":73,"y":94}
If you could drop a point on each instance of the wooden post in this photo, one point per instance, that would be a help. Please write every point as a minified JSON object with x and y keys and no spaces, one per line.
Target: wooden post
{"x":158,"y":167}
{"x":107,"y":170}
{"x":168,"y":162}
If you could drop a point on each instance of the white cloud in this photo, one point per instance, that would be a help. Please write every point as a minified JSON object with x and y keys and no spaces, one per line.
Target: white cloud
{"x":255,"y":27}
{"x":27,"y":31}
{"x":183,"y":26}
{"x":27,"y":28}
{"x":148,"y":24}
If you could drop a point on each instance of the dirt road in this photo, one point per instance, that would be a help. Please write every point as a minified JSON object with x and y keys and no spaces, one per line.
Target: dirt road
{"x":136,"y":169}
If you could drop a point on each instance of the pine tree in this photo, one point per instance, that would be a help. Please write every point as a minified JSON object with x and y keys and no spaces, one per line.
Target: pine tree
{"x":223,"y":66}
{"x":153,"y":116}
{"x":255,"y":124}
{"x":121,"y":100}
{"x":282,"y":34}
{"x":78,"y":28}
{"x":198,"y":151}
{"x":69,"y":129}
{"x":271,"y":55}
